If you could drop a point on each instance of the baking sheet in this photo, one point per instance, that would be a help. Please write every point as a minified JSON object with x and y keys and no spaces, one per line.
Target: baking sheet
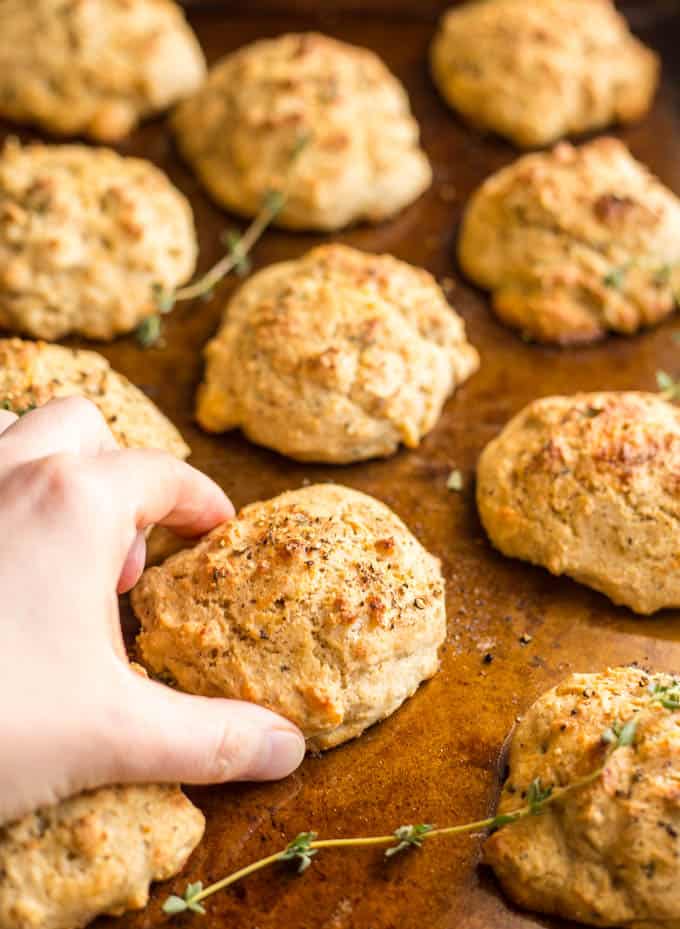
{"x":438,"y":758}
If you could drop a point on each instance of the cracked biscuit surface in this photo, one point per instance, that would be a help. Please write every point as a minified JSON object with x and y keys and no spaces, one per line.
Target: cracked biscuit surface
{"x":361,"y":158}
{"x":95,"y":853}
{"x":318,"y":604}
{"x":337,"y":356}
{"x":31,"y":373}
{"x":575,"y":243}
{"x":607,"y":853}
{"x":85,"y":235}
{"x":587,"y":485}
{"x":537,"y":71}
{"x":94,"y":67}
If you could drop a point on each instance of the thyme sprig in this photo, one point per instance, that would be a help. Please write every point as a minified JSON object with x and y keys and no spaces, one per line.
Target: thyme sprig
{"x":306,"y":844}
{"x":236,"y":258}
{"x":668,"y":386}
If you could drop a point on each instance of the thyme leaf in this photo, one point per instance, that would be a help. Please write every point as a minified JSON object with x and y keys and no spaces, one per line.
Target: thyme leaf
{"x":408,"y":837}
{"x":300,"y":850}
{"x":306,"y":844}
{"x":455,"y":480}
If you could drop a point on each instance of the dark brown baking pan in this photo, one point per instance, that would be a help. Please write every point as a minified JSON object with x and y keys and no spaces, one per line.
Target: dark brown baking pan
{"x":436,"y":760}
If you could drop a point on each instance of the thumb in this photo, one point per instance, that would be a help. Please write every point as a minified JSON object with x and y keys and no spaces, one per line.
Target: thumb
{"x":201,"y":740}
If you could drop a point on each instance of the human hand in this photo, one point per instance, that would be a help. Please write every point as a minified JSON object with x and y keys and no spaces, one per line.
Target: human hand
{"x":73,"y":510}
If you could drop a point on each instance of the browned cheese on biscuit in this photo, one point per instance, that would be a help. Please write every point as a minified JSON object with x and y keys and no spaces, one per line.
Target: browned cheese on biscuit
{"x":94,"y":67}
{"x":318,"y":604}
{"x":361,"y":158}
{"x":31,"y":373}
{"x":588,"y":486}
{"x":337,"y":356}
{"x":96,"y":853}
{"x":607,"y":853}
{"x":537,"y":70}
{"x":575,"y":243}
{"x":85,"y":235}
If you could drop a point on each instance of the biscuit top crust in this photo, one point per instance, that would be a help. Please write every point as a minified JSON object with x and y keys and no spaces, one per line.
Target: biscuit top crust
{"x":589,"y":486}
{"x":84,"y":235}
{"x":606,"y":854}
{"x":297,"y":604}
{"x":575,"y":242}
{"x":336,"y":356}
{"x":536,"y":71}
{"x":95,"y":853}
{"x":621,"y":441}
{"x":94,"y":67}
{"x":31,"y":373}
{"x":361,"y":158}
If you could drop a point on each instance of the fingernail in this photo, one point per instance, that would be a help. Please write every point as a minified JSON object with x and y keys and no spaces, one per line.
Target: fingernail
{"x":283,"y":751}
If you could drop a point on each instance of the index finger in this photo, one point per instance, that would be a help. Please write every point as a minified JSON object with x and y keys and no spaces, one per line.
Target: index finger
{"x":153,"y":487}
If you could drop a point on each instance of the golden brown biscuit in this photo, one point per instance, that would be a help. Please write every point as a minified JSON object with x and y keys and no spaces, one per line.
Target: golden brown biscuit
{"x":95,"y":853}
{"x":85,"y":234}
{"x":588,"y":486}
{"x":318,"y":604}
{"x":31,"y":373}
{"x":361,"y":159}
{"x":575,"y":243}
{"x":536,"y":71}
{"x":94,"y":67}
{"x":338,"y":356}
{"x":607,"y":853}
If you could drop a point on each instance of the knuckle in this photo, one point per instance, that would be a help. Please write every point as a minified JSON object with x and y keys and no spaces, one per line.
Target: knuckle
{"x":234,"y":754}
{"x":83,"y":410}
{"x":64,"y":481}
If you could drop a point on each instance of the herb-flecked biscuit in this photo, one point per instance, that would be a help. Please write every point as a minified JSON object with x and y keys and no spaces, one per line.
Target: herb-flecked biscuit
{"x":318,"y":604}
{"x":587,"y":486}
{"x":537,"y":71}
{"x":606,"y":853}
{"x":95,"y":853}
{"x":575,"y":243}
{"x":85,"y":235}
{"x":94,"y":67}
{"x":361,"y":158}
{"x":31,"y":373}
{"x":337,"y":356}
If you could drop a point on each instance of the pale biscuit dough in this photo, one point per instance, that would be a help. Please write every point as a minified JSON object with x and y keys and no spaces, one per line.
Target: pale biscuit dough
{"x":337,"y":356}
{"x":361,"y":158}
{"x":96,"y":853}
{"x":94,"y":67}
{"x":536,"y":71}
{"x":31,"y":373}
{"x":587,"y":486}
{"x":318,"y":604}
{"x":608,"y":853}
{"x":575,"y":243}
{"x":85,"y":235}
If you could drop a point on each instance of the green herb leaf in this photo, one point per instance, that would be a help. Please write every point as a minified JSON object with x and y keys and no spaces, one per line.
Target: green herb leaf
{"x":662,"y":275}
{"x":537,"y":796}
{"x":301,"y":143}
{"x":669,"y":388}
{"x":273,"y":202}
{"x":299,"y":850}
{"x":164,"y":299}
{"x":668,"y":695}
{"x":455,"y":480}
{"x":232,"y":240}
{"x":614,"y":277}
{"x":408,"y":837}
{"x":503,"y":819}
{"x":8,"y":405}
{"x":148,"y":332}
{"x":174,"y":905}
{"x":627,"y":733}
